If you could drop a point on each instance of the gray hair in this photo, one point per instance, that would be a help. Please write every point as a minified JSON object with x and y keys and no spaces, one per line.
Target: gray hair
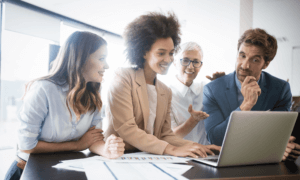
{"x":189,"y":46}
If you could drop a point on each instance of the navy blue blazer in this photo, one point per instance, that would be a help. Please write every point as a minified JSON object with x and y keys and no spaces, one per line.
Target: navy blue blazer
{"x":221,"y":98}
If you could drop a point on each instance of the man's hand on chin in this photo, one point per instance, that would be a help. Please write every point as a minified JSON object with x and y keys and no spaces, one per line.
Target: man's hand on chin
{"x":250,"y":91}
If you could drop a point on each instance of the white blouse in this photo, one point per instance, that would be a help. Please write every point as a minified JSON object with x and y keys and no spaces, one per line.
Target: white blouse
{"x":152,"y":98}
{"x":182,"y":97}
{"x":44,"y":116}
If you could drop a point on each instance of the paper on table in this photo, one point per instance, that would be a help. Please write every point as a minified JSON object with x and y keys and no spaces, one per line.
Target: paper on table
{"x":132,"y":171}
{"x":68,"y":167}
{"x":178,"y":168}
{"x":75,"y":164}
{"x":139,"y":157}
{"x":82,"y":159}
{"x":78,"y":166}
{"x":145,"y":158}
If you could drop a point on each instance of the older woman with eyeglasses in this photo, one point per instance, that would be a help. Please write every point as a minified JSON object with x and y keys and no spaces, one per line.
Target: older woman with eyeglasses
{"x":187,"y":95}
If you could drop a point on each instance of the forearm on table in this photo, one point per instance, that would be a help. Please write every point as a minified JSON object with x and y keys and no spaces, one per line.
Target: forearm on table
{"x":97,"y":147}
{"x":169,"y":137}
{"x":183,"y":129}
{"x":132,"y":134}
{"x":170,"y":149}
{"x":47,"y":147}
{"x":141,"y":140}
{"x":176,"y":141}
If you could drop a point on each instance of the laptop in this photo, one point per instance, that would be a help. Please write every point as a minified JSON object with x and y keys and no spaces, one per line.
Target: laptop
{"x":254,"y":137}
{"x":296,"y":130}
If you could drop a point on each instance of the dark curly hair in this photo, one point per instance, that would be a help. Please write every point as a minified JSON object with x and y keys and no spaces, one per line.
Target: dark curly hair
{"x":142,"y":33}
{"x":261,"y":38}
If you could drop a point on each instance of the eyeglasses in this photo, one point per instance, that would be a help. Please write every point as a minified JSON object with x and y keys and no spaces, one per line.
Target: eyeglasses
{"x":186,"y":62}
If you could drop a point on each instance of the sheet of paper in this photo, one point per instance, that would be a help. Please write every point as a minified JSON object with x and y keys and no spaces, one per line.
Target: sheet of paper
{"x":68,"y":167}
{"x":97,"y":170}
{"x":178,"y":168}
{"x":82,"y":159}
{"x":135,"y":157}
{"x":75,"y":164}
{"x":146,"y":157}
{"x":140,"y":157}
{"x":133,"y":171}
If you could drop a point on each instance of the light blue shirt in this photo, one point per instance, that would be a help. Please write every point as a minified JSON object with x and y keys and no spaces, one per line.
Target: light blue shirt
{"x":239,"y":87}
{"x":44,"y":116}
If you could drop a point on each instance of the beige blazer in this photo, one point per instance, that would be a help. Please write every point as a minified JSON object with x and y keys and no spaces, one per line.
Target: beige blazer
{"x":128,"y":112}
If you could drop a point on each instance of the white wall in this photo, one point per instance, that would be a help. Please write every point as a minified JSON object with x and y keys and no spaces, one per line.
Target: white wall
{"x":214,"y":24}
{"x":280,"y":18}
{"x":216,"y":30}
{"x":246,"y":15}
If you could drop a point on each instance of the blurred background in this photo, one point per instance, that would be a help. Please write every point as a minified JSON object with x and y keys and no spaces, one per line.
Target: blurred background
{"x":33,"y":30}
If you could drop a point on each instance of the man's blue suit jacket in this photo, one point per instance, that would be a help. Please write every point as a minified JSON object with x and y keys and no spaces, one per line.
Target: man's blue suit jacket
{"x":221,"y":98}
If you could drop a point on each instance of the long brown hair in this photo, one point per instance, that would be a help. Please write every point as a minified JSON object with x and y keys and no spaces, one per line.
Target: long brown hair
{"x":67,"y":69}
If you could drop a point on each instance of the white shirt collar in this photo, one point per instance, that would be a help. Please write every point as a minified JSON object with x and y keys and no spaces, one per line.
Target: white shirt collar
{"x":194,"y":89}
{"x":183,"y":89}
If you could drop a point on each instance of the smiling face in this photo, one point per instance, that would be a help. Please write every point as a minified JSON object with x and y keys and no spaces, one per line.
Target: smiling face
{"x":187,"y":74}
{"x":160,"y":56}
{"x":95,"y":66}
{"x":250,"y":62}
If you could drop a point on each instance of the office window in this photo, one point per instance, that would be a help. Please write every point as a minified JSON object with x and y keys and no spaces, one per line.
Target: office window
{"x":24,"y":58}
{"x":66,"y":31}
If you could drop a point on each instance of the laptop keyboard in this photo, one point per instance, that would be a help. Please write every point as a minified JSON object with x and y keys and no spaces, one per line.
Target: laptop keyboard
{"x":213,"y":160}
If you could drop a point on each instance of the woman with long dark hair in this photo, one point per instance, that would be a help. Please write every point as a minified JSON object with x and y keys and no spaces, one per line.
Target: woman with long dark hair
{"x":61,"y":110}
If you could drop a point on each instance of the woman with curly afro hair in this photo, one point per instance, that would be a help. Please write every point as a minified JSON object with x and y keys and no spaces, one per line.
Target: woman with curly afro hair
{"x":138,"y":103}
